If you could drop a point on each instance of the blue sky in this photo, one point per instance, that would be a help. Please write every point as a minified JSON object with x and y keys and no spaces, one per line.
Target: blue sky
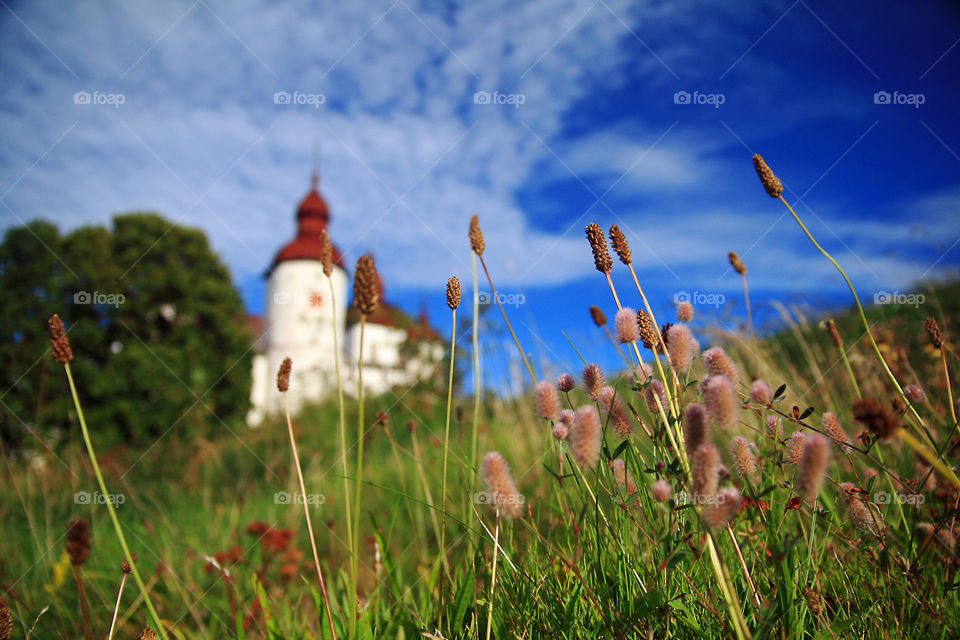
{"x":590,"y":127}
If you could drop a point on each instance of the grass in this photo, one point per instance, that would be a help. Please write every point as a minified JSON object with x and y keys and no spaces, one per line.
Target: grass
{"x":223,"y":552}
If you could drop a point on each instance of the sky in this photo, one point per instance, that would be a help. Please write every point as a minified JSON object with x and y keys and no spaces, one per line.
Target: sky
{"x":538,"y":117}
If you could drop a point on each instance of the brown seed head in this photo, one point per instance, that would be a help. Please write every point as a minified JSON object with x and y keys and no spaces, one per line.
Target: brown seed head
{"x":78,"y":542}
{"x":476,"y":236}
{"x":283,"y":375}
{"x":831,"y":327}
{"x":879,"y":419}
{"x":769,"y":181}
{"x":619,"y":243}
{"x":326,"y":253}
{"x":125,"y":566}
{"x":601,"y":258}
{"x":737,"y":263}
{"x":59,"y":344}
{"x":933,"y":330}
{"x":366,"y":292}
{"x":696,"y":429}
{"x":598,"y":316}
{"x":6,"y":620}
{"x":148,"y":634}
{"x":453,"y":293}
{"x":648,"y":332}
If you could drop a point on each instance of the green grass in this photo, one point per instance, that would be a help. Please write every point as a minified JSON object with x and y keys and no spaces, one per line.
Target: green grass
{"x":613,"y":566}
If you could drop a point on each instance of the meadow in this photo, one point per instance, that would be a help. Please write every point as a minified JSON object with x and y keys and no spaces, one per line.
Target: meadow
{"x":717,"y":484}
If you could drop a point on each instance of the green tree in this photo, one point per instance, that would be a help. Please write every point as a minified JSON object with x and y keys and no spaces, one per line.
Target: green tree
{"x":156,"y":326}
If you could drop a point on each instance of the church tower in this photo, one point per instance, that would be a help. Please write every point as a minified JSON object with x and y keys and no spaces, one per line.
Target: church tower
{"x":300,"y":313}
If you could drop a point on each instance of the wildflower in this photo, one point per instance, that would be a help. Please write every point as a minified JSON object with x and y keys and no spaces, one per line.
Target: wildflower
{"x":718,"y":363}
{"x":625,"y":323}
{"x":720,"y":400}
{"x":586,"y":437}
{"x":813,"y":467}
{"x":501,"y":490}
{"x":760,"y":392}
{"x":548,"y":405}
{"x":695,"y":428}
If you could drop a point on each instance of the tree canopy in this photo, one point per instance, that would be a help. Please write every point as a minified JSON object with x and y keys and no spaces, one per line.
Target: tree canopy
{"x":157,"y":330}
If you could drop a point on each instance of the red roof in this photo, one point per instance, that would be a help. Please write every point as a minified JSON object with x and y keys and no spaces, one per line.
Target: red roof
{"x":312,"y":218}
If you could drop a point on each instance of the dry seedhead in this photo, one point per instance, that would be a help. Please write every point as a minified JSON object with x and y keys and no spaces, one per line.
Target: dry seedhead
{"x":769,"y":181}
{"x":743,"y":458}
{"x":696,"y":431}
{"x":619,"y":243}
{"x":880,"y":420}
{"x":737,"y":263}
{"x":476,"y":236}
{"x":326,"y":253}
{"x":601,"y":257}
{"x":648,"y":332}
{"x":283,"y":375}
{"x":856,"y":508}
{"x":831,"y":328}
{"x":933,"y":330}
{"x":125,"y":566}
{"x":833,"y":428}
{"x":366,"y":292}
{"x":718,"y":363}
{"x":59,"y":344}
{"x":78,"y":542}
{"x":453,"y":293}
{"x":704,"y":473}
{"x":598,"y":316}
{"x":6,"y":620}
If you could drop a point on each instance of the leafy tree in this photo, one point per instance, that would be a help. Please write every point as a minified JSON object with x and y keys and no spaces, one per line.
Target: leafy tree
{"x":156,"y":327}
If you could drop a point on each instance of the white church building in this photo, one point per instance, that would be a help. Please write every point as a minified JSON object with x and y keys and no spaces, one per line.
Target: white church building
{"x":305,"y":322}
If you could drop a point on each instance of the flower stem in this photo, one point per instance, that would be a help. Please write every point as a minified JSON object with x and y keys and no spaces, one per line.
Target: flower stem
{"x":306,"y":515}
{"x":110,"y":509}
{"x":358,"y":483}
{"x":446,"y":452}
{"x":343,"y":419}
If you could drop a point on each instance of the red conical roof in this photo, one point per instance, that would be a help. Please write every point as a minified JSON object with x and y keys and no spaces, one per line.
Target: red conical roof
{"x":312,"y":218}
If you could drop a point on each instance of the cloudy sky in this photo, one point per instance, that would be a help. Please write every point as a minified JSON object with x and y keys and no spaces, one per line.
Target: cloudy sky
{"x":539,"y":117}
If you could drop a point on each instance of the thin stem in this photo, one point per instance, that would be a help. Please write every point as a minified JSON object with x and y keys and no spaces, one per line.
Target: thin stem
{"x":343,"y":419}
{"x":110,"y":509}
{"x":493,"y":292}
{"x":84,"y":606}
{"x":493,"y":576}
{"x":743,"y":565}
{"x":446,"y":452}
{"x":358,"y":484}
{"x":913,"y":442}
{"x":306,"y":515}
{"x":946,"y":379}
{"x":116,"y":608}
{"x":476,"y":369}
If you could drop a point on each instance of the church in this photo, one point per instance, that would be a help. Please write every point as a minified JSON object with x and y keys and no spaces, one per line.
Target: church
{"x":309,"y":321}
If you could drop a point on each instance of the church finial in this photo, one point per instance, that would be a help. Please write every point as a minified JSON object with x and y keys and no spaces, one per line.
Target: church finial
{"x":315,"y":173}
